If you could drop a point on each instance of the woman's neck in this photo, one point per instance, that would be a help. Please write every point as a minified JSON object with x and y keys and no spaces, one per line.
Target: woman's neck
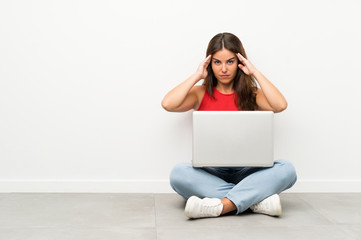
{"x":225,"y":89}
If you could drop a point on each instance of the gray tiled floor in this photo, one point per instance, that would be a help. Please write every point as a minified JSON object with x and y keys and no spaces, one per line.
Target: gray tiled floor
{"x":111,"y":216}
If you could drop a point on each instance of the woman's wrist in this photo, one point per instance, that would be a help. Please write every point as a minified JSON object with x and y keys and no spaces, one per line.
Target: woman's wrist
{"x":254,"y":73}
{"x":197,"y":77}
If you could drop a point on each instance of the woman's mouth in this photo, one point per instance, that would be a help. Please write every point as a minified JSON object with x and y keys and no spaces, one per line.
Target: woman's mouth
{"x":224,"y":76}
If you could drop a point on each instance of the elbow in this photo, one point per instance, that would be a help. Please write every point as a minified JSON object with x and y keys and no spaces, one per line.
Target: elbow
{"x":281,"y":107}
{"x":165,"y":105}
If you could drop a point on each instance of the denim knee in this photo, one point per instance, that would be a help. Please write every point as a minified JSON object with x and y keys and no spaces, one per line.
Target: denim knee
{"x":178,"y":176}
{"x":288,"y":173}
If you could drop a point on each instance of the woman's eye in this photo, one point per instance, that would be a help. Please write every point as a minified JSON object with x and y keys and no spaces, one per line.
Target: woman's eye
{"x":230,"y":62}
{"x":216,"y":62}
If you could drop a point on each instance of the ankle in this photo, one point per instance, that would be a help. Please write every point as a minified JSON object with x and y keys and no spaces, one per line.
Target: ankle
{"x":228,"y":206}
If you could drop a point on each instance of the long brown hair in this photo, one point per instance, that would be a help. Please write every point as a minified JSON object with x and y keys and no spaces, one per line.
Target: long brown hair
{"x":243,"y":85}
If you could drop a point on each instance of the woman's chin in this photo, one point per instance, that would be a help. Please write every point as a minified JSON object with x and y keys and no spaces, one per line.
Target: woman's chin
{"x":225,"y":81}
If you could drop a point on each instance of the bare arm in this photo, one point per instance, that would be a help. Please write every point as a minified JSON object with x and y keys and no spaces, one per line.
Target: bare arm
{"x":268,"y":97}
{"x":183,"y":97}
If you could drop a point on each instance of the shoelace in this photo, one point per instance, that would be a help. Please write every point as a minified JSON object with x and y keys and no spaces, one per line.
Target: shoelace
{"x":208,"y":209}
{"x":261,"y":205}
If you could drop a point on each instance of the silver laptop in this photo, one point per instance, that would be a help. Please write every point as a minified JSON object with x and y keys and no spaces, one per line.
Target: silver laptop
{"x":232,"y":138}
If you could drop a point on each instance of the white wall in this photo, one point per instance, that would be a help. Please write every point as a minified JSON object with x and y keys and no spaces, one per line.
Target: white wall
{"x":81,"y":84}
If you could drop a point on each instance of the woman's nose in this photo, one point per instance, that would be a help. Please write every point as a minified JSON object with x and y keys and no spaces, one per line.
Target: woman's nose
{"x":224,"y":69}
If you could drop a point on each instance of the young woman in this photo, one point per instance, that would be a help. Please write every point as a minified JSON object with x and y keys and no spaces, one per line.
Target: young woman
{"x":230,"y":84}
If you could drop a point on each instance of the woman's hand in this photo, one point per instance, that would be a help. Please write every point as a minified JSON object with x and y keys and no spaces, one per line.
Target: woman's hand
{"x":184,"y":96}
{"x":247,"y":66}
{"x":202,"y":68}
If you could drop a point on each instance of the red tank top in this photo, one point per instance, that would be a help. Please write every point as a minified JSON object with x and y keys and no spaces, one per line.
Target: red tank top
{"x":221,"y":102}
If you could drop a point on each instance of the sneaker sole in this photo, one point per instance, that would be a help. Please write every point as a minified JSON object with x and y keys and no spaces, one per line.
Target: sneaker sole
{"x":279,"y":211}
{"x":188,"y":209}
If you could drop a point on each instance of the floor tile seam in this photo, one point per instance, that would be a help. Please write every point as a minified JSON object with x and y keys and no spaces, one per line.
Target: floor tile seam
{"x":299,"y":196}
{"x":120,"y":225}
{"x":350,"y":224}
{"x":83,"y":194}
{"x":246,"y":226}
{"x":319,"y":212}
{"x":344,"y":231}
{"x":79,"y":228}
{"x":155,"y":210}
{"x":236,"y":225}
{"x":155,"y":217}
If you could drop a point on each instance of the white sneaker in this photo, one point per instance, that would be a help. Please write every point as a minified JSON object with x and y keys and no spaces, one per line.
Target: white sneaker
{"x":270,"y":206}
{"x":200,"y":208}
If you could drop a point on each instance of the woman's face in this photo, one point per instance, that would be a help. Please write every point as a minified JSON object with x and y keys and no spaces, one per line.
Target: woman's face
{"x":224,"y":65}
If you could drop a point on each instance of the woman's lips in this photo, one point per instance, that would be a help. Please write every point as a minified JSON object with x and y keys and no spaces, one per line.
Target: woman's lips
{"x":224,"y":76}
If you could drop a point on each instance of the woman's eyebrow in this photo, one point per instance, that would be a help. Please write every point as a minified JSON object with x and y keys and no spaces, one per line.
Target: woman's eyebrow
{"x":221,"y":61}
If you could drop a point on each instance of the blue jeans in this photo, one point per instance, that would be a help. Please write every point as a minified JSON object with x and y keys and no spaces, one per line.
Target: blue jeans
{"x":244,"y":186}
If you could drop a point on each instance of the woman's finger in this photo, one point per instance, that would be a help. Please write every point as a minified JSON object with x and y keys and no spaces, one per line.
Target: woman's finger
{"x":241,"y":58}
{"x":208,"y":59}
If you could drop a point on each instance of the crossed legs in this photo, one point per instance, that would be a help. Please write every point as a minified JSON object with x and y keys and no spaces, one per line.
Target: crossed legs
{"x":244,"y":188}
